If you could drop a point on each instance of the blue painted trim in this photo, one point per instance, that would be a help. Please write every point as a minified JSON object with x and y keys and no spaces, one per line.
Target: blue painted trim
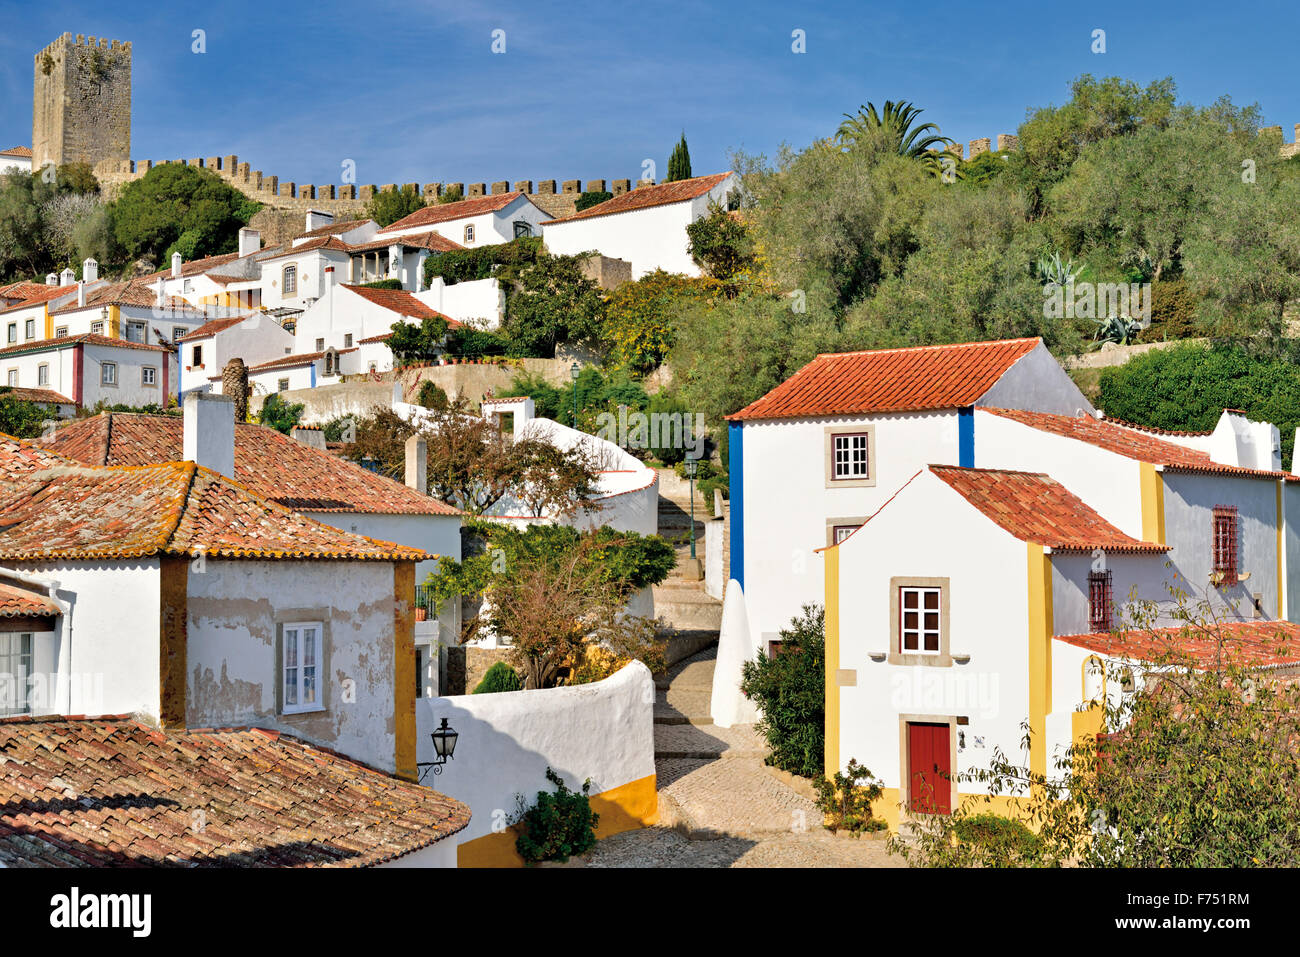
{"x":313,"y":375}
{"x":966,"y":437}
{"x":736,"y":480}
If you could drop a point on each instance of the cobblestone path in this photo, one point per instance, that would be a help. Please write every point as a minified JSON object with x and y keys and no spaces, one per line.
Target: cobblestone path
{"x":719,"y":806}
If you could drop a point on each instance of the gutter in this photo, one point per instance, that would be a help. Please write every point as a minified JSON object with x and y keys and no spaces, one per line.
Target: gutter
{"x":51,"y":585}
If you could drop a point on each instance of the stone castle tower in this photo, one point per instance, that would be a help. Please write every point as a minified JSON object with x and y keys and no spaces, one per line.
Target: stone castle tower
{"x":81,"y":110}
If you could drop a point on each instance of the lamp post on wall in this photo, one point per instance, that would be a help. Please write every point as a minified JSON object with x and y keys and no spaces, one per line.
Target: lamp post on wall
{"x":444,"y":746}
{"x":574,"y":370}
{"x":691,"y":467}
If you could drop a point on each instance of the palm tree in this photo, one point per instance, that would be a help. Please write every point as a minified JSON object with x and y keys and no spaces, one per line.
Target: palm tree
{"x":893,"y":126}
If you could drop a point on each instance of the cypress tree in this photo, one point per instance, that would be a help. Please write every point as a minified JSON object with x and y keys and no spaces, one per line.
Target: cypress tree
{"x":679,"y":163}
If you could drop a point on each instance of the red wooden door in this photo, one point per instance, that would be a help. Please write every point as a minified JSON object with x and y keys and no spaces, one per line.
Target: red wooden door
{"x":930,"y":768}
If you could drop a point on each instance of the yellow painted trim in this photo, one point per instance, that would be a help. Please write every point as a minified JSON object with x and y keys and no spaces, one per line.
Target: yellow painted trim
{"x":115,"y":325}
{"x":1040,"y":653}
{"x":624,"y":808}
{"x":404,"y":670}
{"x":886,"y":807}
{"x":1153,"y":504}
{"x":49,"y":323}
{"x":1281,"y":553}
{"x":832,"y":742}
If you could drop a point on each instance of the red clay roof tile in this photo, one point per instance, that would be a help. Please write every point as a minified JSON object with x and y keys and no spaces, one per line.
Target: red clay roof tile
{"x":401,"y":302}
{"x":445,"y":212}
{"x":643,"y":197}
{"x":1255,"y":644}
{"x":1036,"y":508}
{"x":16,"y":601}
{"x":110,"y":792}
{"x":890,"y":380}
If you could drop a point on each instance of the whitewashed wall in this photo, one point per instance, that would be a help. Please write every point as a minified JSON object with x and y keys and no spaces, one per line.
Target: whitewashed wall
{"x":603,"y":731}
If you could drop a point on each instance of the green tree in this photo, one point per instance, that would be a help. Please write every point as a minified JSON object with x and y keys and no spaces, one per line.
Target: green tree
{"x":591,"y":198}
{"x":679,"y":162}
{"x":641,"y":317}
{"x":388,"y":206}
{"x":23,"y":247}
{"x":176,"y":208}
{"x":20,"y":418}
{"x":552,"y":302}
{"x":894,"y":130}
{"x":411,"y":343}
{"x":722,"y":244}
{"x":280,"y":415}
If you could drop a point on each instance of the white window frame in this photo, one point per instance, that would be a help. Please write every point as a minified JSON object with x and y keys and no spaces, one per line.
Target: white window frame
{"x":834,"y":437}
{"x":15,"y":673}
{"x":148,"y":376}
{"x":97,"y":327}
{"x":469,"y":232}
{"x":29,"y":329}
{"x":139,"y":327}
{"x":847,"y":448}
{"x":108,"y":373}
{"x":43,"y":374}
{"x":178,"y":333}
{"x":293,"y":639}
{"x":11,"y":378}
{"x":289,"y":280}
{"x":60,"y":332}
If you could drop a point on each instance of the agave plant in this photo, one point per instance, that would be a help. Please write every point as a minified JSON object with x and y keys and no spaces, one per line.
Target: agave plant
{"x":923,"y":142}
{"x":1120,"y":330}
{"x":1052,"y":269}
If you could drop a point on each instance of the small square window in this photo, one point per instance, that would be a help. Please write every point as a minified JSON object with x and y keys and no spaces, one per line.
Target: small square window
{"x":178,"y":333}
{"x":43,"y":374}
{"x":851,"y":456}
{"x":196,"y":357}
{"x":97,"y":328}
{"x":60,"y":332}
{"x":148,"y":375}
{"x":301,"y":667}
{"x":283,"y":385}
{"x":919,"y":625}
{"x":108,"y":373}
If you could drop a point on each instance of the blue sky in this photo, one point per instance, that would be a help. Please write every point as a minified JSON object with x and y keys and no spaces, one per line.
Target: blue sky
{"x":412,"y":91}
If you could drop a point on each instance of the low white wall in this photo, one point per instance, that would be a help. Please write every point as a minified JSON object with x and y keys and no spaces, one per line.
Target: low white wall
{"x":603,"y":731}
{"x":713,"y":582}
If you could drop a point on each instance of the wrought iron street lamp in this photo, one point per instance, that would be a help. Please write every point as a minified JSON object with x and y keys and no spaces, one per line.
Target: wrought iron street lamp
{"x":574,"y":370}
{"x":691,"y":467}
{"x":444,"y":746}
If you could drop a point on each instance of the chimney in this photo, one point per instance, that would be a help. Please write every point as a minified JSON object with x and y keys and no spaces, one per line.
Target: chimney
{"x":51,"y":279}
{"x":89,"y":271}
{"x":308,"y":435}
{"x":317,"y":218}
{"x":395,"y":261}
{"x":329,"y":276}
{"x":250,"y":241}
{"x":1237,"y":440}
{"x":209,"y":432}
{"x":81,"y":295}
{"x":417,"y":464}
{"x":176,"y":265}
{"x":161,"y":294}
{"x":67,"y":278}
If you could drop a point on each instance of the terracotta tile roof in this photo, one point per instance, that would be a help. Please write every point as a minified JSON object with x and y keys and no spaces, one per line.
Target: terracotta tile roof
{"x":111,"y":792}
{"x":1256,"y":644}
{"x":18,"y":151}
{"x":1130,"y":443}
{"x":643,"y":197}
{"x":333,"y":229}
{"x":1036,"y":508}
{"x":89,"y":338}
{"x":401,"y":302}
{"x":132,"y":293}
{"x":1155,"y":431}
{"x":890,"y":380}
{"x":195,"y":267}
{"x":296,"y":359}
{"x":213,"y":326}
{"x":445,"y":212}
{"x":319,"y":243}
{"x":25,"y":289}
{"x":383,"y":337}
{"x":16,"y":602}
{"x":178,"y":508}
{"x":48,"y":396}
{"x":45,"y":294}
{"x":431,"y":240}
{"x":18,"y":457}
{"x":228,"y":280}
{"x":267,"y":463}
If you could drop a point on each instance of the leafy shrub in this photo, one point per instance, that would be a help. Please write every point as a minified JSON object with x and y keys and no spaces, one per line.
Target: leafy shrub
{"x":719,"y":480}
{"x":383,"y":284}
{"x":280,"y":415}
{"x":1004,"y":840}
{"x":559,"y":825}
{"x":1173,"y":312}
{"x":591,"y":198}
{"x":846,"y":801}
{"x":790,"y":688}
{"x":475,"y":343}
{"x":503,"y":260}
{"x":500,"y":677}
{"x":431,"y":395}
{"x":388,"y":206}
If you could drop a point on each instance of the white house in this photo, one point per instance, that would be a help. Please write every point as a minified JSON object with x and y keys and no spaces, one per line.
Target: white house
{"x":646,"y":226}
{"x":977,"y":599}
{"x":481,"y":221}
{"x":255,"y":338}
{"x":812,"y":459}
{"x":90,"y":368}
{"x":16,"y":159}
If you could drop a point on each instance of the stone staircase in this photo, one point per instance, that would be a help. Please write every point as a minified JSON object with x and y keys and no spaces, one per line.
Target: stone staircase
{"x":691,"y":614}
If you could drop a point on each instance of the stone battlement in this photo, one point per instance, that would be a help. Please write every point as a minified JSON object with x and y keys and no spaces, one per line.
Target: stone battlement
{"x":61,"y":44}
{"x":555,"y":197}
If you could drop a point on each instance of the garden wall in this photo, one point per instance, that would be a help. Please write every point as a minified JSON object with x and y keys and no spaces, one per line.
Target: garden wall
{"x":603,"y":731}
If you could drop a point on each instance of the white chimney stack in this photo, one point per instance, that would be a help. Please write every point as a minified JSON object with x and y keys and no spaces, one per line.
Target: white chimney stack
{"x":209,"y":431}
{"x":250,"y":241}
{"x":317,"y":218}
{"x":329,"y":276}
{"x":161,"y":293}
{"x":51,"y":279}
{"x":67,"y":278}
{"x":89,"y":271}
{"x":417,"y":464}
{"x":176,"y":265}
{"x":81,"y":295}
